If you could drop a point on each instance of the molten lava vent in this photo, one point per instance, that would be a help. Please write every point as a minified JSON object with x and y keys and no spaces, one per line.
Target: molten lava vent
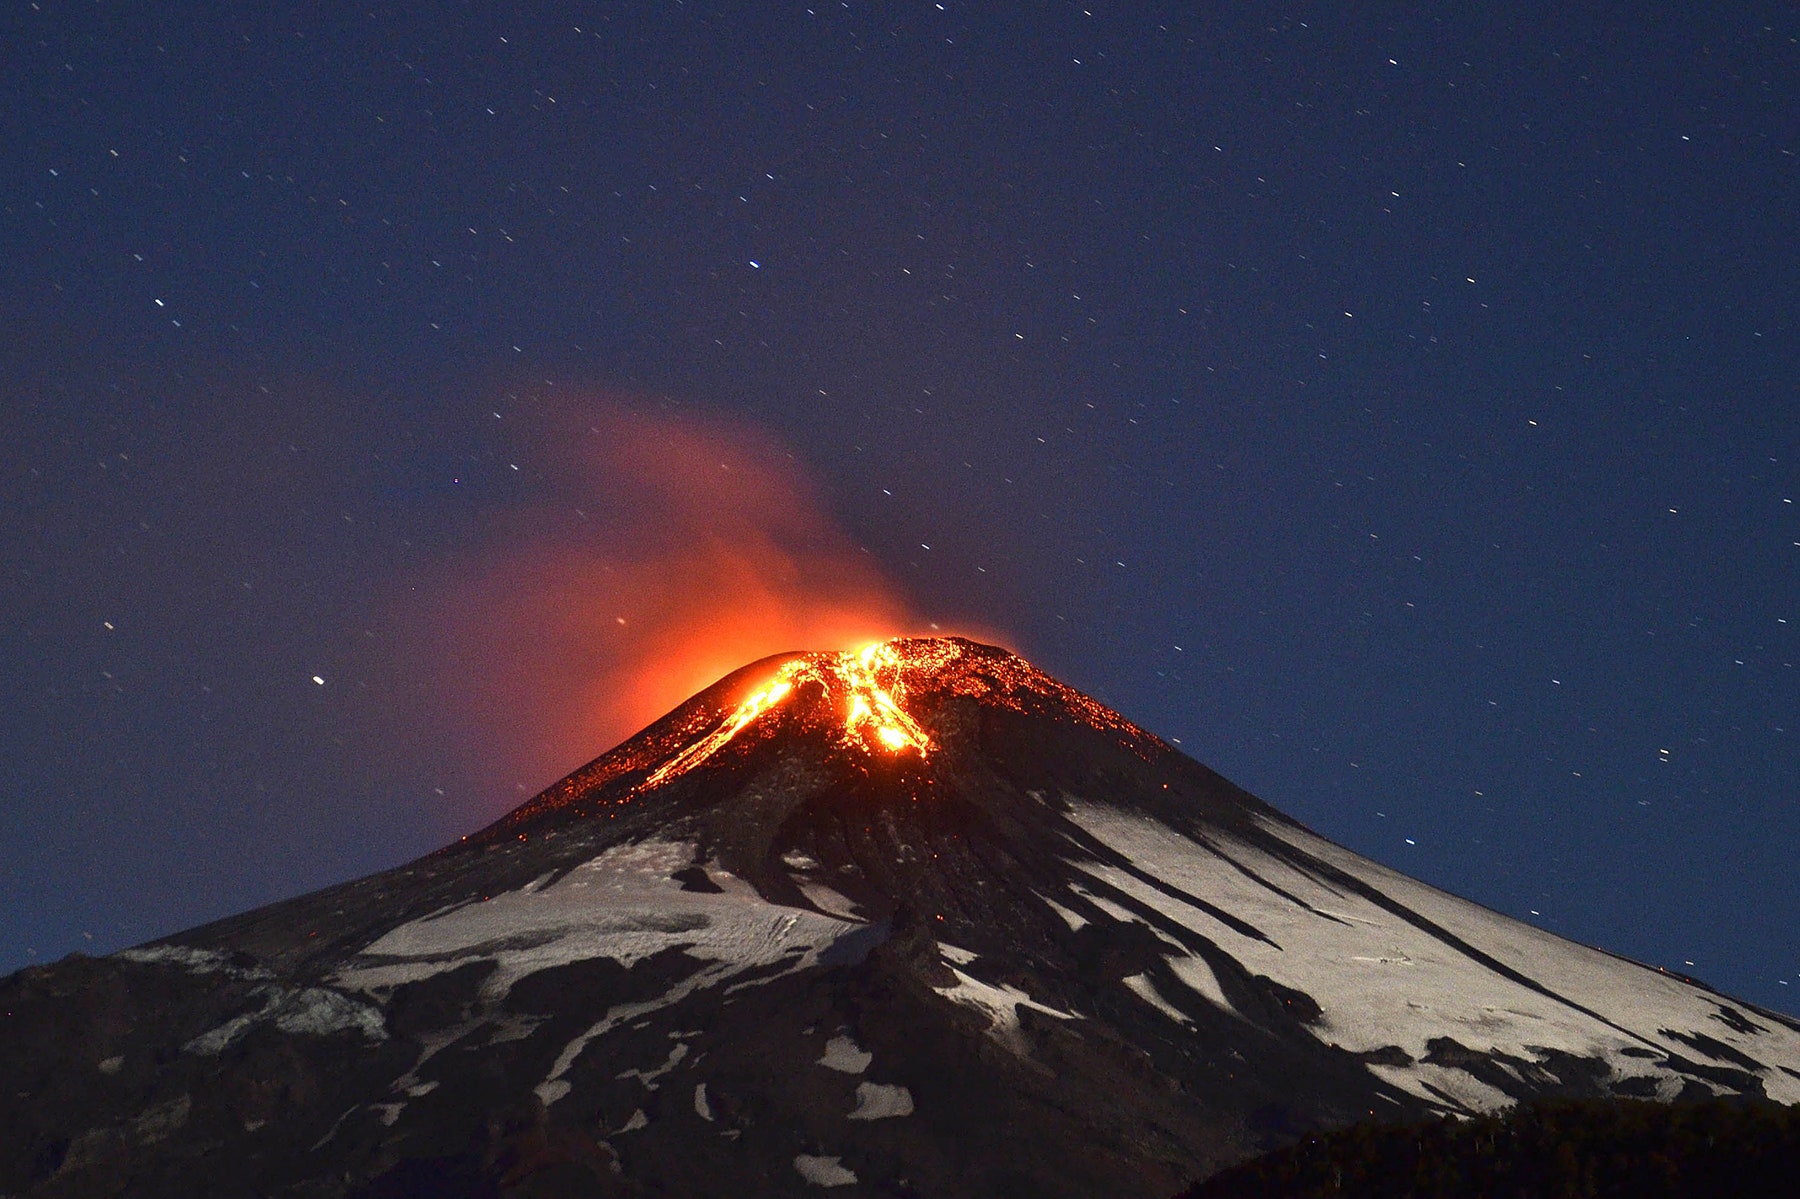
{"x":867,"y":687}
{"x":876,"y":704}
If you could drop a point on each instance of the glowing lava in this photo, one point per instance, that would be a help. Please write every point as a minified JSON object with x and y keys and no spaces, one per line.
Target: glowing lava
{"x":873,"y":708}
{"x":867,"y":685}
{"x":755,"y":705}
{"x":869,"y":701}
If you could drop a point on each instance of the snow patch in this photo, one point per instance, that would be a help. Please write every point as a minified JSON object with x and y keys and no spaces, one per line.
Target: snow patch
{"x":702,"y":1108}
{"x":881,"y":1101}
{"x":827,"y":900}
{"x":845,"y":1056}
{"x":158,"y":1122}
{"x":511,"y":1027}
{"x":823,"y":1171}
{"x":954,"y":953}
{"x":649,"y":1077}
{"x":1075,"y":920}
{"x":311,"y":1011}
{"x":1001,"y":1005}
{"x":196,"y":961}
{"x":1459,"y":1086}
{"x":1141,"y":986}
{"x":622,"y":905}
{"x":1199,"y":978}
{"x":318,"y":1012}
{"x":1123,"y":914}
{"x":1382,"y":980}
{"x":430,"y":1046}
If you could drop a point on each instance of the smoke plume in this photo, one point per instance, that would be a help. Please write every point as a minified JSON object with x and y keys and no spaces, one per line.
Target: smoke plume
{"x":659,"y":554}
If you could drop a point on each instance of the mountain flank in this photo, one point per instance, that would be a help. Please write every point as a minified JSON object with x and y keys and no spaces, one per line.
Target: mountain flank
{"x":915,"y":919}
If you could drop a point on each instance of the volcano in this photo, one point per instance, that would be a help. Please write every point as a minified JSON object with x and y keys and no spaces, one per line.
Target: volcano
{"x":912,"y":920}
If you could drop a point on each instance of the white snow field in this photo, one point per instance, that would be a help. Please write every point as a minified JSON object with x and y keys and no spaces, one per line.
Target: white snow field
{"x":1382,"y":980}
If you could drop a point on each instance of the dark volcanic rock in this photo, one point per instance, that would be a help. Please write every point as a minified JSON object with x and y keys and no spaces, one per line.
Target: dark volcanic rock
{"x":920,"y":921}
{"x":1610,"y":1149}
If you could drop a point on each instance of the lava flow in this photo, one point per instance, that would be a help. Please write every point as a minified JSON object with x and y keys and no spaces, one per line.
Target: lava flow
{"x":868,"y":684}
{"x":875,"y":702}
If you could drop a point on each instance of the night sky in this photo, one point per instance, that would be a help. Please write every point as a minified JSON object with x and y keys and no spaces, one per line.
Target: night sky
{"x":1398,"y":407}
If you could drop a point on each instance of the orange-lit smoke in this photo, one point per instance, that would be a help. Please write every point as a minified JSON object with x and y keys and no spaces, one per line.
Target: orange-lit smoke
{"x":667,"y":552}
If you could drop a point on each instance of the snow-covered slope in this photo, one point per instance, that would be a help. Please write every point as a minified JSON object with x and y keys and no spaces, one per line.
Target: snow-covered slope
{"x":1394,"y":963}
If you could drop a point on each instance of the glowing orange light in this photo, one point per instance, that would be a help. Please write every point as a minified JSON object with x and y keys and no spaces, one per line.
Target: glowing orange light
{"x":859,"y":699}
{"x":753,"y":706}
{"x":698,"y":545}
{"x":872,"y":714}
{"x":873,"y":705}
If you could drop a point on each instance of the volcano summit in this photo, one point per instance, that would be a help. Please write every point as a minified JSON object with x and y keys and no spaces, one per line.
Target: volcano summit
{"x":912,"y":920}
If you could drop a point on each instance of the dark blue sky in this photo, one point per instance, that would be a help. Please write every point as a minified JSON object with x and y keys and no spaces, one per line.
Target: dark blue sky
{"x":1397,"y":406}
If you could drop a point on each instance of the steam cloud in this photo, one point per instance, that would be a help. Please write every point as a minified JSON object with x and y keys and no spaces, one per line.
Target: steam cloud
{"x":666,"y":553}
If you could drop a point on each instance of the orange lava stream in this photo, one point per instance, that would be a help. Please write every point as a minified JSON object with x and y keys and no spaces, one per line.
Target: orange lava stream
{"x":755,"y":705}
{"x":867,"y":682}
{"x":873,"y":707}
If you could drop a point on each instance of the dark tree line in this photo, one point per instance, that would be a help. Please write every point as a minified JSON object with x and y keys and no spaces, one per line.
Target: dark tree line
{"x":1553,"y":1149}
